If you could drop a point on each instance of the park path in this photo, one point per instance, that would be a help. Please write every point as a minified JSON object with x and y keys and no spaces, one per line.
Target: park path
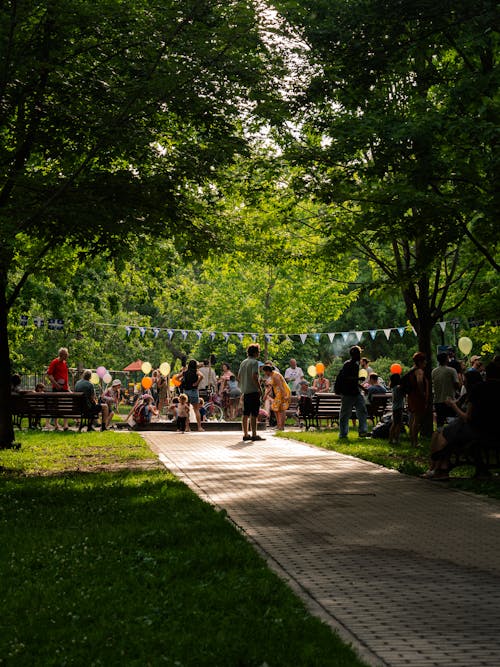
{"x":404,"y":569}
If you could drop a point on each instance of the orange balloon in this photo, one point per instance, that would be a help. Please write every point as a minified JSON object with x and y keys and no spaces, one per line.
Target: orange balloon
{"x":147,"y":382}
{"x":396,"y":368}
{"x":320,"y":367}
{"x":176,"y":382}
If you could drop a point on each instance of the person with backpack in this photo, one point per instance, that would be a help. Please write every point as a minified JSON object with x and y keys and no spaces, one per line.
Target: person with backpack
{"x":347,"y":385}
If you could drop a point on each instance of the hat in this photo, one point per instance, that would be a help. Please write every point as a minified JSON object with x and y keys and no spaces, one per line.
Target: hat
{"x":115,"y":383}
{"x":475,"y":357}
{"x":304,"y":382}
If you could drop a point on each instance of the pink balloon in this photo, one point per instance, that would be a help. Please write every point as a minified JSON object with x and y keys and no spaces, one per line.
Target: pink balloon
{"x":101,"y":371}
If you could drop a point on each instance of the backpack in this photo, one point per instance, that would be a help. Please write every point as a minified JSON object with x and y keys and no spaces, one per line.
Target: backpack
{"x":346,"y":381}
{"x":406,"y":383}
{"x":138,"y":413}
{"x":339,"y":384}
{"x":382,"y":429}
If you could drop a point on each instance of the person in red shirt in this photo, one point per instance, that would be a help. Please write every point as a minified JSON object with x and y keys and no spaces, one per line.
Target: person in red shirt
{"x":57,"y":373}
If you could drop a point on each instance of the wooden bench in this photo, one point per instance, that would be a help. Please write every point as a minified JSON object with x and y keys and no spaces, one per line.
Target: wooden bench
{"x":35,"y":406}
{"x":292,"y":408}
{"x":378,"y":406}
{"x":325,"y":406}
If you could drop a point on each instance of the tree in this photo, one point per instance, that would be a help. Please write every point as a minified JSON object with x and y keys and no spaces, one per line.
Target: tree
{"x":114,"y":116}
{"x":398,"y":138}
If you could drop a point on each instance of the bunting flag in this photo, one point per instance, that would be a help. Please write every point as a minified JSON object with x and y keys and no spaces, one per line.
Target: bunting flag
{"x":23,"y":320}
{"x":38,"y":321}
{"x":240,"y":335}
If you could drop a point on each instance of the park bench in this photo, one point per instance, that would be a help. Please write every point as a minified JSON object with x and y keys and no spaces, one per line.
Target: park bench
{"x":325,"y":406}
{"x":35,"y":406}
{"x":292,"y":408}
{"x":378,"y":406}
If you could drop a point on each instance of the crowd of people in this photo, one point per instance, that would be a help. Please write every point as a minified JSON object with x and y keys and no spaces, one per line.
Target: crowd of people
{"x":464,"y":398}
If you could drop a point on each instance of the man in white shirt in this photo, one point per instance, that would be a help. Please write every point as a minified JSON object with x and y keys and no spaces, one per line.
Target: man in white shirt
{"x":294,"y":375}
{"x":445,"y":384}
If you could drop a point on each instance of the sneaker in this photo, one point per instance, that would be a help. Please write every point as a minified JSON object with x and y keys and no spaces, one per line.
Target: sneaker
{"x":254,"y":438}
{"x":364,"y":435}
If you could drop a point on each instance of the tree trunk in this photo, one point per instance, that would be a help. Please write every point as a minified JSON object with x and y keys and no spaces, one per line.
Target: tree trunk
{"x":6,"y":429}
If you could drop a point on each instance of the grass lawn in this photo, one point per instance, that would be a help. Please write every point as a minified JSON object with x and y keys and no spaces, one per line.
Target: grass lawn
{"x":107,"y":559}
{"x":402,"y":457}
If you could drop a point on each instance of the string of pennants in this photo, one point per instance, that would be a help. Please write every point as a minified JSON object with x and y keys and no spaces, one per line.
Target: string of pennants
{"x":56,"y":324}
{"x":268,"y":337}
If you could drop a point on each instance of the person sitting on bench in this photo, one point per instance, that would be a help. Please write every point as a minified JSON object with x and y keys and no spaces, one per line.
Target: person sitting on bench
{"x":477,"y":423}
{"x":93,"y":407}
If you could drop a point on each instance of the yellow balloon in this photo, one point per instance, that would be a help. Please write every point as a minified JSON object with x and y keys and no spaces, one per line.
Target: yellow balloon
{"x":94,"y":378}
{"x":165,"y":368}
{"x":363,"y":373}
{"x":312,"y":371}
{"x":146,"y":367}
{"x":464,"y":345}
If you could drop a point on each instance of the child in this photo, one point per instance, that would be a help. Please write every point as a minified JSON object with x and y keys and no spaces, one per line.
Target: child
{"x":234,"y":397}
{"x":183,"y":414}
{"x":172,"y":409}
{"x":203,"y":410}
{"x":397,"y":408}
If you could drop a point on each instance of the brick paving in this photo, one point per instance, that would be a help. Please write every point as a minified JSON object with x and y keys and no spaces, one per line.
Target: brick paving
{"x":404,"y":569}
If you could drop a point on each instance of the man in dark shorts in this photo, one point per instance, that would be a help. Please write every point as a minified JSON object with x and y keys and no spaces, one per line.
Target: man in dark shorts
{"x":248,"y":379}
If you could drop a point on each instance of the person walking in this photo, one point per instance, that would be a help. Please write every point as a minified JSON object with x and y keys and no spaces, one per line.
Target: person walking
{"x":347,"y":385}
{"x":248,"y":379}
{"x":281,"y":394}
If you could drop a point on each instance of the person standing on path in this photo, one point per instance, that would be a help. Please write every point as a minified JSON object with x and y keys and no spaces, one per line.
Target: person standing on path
{"x":248,"y":379}
{"x":347,"y":385}
{"x":445,"y":385}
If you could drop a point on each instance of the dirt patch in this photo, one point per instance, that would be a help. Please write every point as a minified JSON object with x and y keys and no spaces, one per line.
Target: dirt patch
{"x":132,"y":466}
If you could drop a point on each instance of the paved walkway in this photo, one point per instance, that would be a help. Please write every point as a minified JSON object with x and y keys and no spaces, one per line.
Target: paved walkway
{"x":406,"y":570}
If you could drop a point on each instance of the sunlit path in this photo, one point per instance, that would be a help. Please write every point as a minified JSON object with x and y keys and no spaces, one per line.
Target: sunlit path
{"x":407,"y":570}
